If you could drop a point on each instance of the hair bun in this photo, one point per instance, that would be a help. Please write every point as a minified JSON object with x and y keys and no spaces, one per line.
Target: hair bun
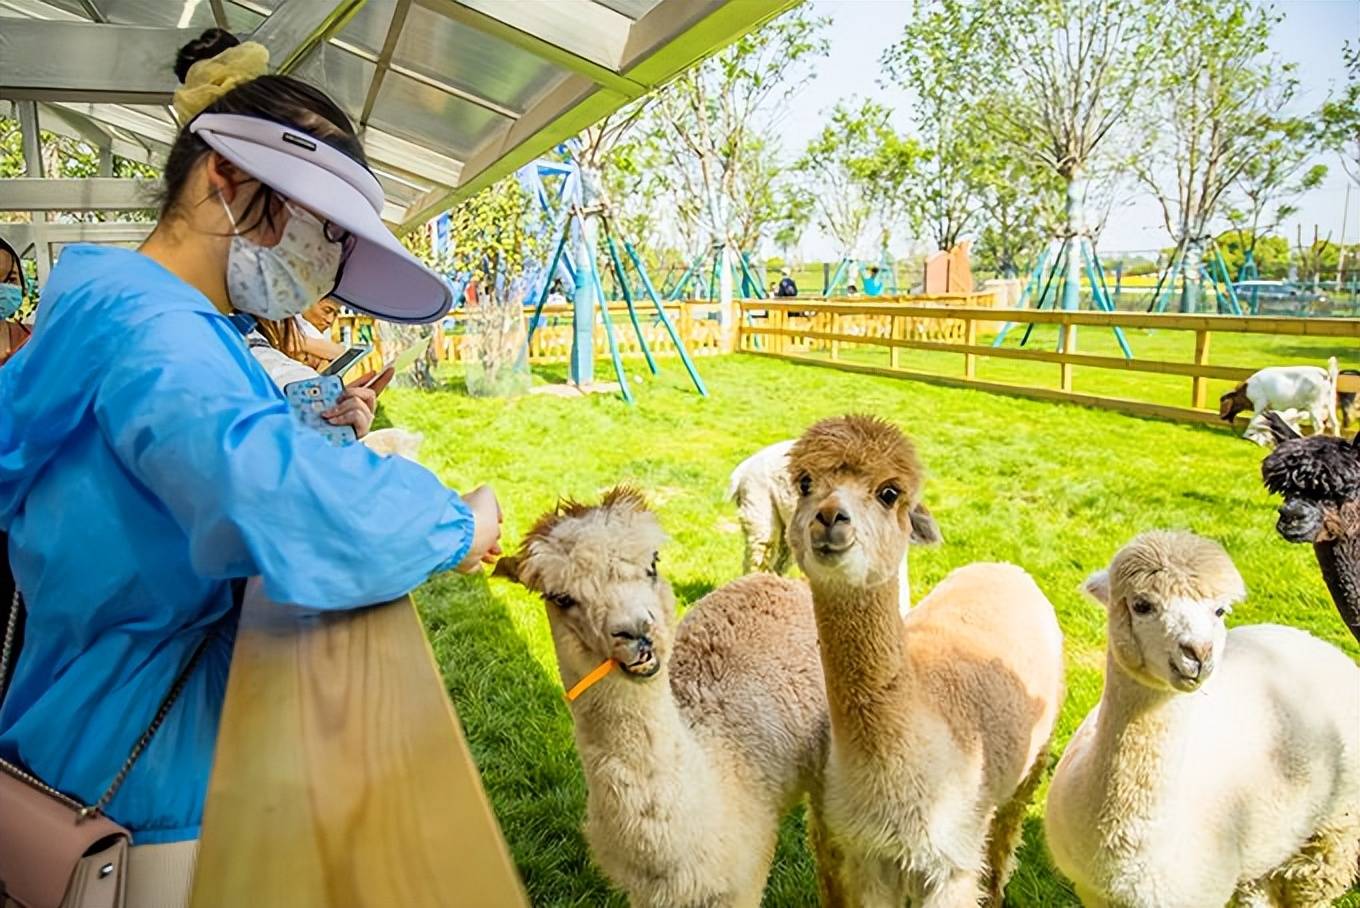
{"x":206,"y":46}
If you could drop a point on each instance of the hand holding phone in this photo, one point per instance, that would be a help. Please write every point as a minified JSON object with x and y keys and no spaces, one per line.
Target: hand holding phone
{"x":310,"y":398}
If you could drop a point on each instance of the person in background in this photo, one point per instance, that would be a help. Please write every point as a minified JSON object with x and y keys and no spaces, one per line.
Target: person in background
{"x":787,"y":288}
{"x":315,"y":325}
{"x":851,"y":290}
{"x":873,"y":284}
{"x":13,"y":296}
{"x":148,"y":464}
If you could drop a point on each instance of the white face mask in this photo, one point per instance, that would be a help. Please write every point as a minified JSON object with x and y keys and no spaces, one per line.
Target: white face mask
{"x":280,"y":281}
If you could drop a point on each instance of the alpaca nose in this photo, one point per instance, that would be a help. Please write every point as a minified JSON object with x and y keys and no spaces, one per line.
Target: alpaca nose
{"x":831,"y":513}
{"x":1197,"y":654}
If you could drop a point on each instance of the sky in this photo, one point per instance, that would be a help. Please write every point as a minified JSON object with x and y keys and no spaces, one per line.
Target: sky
{"x":1311,"y":35}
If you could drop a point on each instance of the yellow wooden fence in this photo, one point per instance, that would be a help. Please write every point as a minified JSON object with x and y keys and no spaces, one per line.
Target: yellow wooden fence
{"x":815,"y":332}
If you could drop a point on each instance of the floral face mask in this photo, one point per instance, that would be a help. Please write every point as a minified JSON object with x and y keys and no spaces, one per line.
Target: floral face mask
{"x":280,"y":281}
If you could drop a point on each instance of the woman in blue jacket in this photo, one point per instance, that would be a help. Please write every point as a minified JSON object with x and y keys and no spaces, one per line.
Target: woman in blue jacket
{"x":147,"y":461}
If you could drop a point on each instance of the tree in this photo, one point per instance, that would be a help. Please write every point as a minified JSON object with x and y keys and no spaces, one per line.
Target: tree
{"x":712,"y":122}
{"x":1021,"y":210}
{"x":1066,"y":75}
{"x":1275,"y":176}
{"x":1269,"y":251}
{"x":1215,"y":100}
{"x":1340,"y":116}
{"x":936,"y":175}
{"x":839,"y":165}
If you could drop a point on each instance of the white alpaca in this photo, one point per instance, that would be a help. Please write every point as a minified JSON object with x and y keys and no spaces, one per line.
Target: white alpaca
{"x":1219,"y":765}
{"x":940,"y":721}
{"x":765,"y":497}
{"x":705,"y":735}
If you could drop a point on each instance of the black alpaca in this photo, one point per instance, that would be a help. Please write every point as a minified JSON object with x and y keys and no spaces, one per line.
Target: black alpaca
{"x":1319,"y":477}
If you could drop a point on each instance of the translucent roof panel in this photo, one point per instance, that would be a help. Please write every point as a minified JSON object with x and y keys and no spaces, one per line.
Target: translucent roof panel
{"x":449,"y":95}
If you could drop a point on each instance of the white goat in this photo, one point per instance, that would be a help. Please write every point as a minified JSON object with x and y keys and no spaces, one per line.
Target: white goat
{"x":1308,"y":388}
{"x":766,"y":498}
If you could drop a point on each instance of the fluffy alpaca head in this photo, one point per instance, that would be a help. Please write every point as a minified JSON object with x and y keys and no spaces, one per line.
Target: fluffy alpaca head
{"x":1166,"y":594}
{"x":1316,"y":475}
{"x":859,"y":488}
{"x":596,"y":568}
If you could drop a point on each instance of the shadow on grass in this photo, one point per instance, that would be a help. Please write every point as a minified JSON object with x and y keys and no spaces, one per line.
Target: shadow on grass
{"x":520,"y":734}
{"x":691,"y":591}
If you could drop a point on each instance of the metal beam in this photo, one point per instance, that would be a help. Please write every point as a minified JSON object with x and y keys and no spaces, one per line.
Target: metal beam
{"x":37,"y":9}
{"x":126,"y":118}
{"x":21,"y":234}
{"x":384,"y":59}
{"x":296,"y":27}
{"x":396,"y":155}
{"x":677,"y":34}
{"x":513,"y":24}
{"x":88,"y":194}
{"x":219,"y":14}
{"x":31,"y":143}
{"x":65,"y":122}
{"x":92,"y":11}
{"x":84,"y":61}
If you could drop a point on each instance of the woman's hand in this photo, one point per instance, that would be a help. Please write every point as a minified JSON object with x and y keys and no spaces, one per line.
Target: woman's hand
{"x":486,"y":533}
{"x":355,"y":409}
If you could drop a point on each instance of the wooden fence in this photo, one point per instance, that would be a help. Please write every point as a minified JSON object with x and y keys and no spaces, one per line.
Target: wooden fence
{"x":341,"y":776}
{"x":817,"y":332}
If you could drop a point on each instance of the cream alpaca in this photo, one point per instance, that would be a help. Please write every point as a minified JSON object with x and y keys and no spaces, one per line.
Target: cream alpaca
{"x":710,"y":732}
{"x":940,"y":720}
{"x":1219,"y":765}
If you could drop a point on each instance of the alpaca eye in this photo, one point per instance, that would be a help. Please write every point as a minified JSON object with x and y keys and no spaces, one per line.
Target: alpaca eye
{"x":1220,"y":612}
{"x":805,"y":484}
{"x":651,"y":571}
{"x":561,"y":600}
{"x":888,"y":495}
{"x":1142,"y":607}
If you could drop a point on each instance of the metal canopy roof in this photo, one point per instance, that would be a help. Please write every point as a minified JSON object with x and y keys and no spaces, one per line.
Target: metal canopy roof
{"x":450,"y":95}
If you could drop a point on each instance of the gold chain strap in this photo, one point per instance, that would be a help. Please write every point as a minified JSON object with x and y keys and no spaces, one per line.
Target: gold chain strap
{"x":11,"y":628}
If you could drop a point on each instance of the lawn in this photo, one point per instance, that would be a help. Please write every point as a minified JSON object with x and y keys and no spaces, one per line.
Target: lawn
{"x":1054,"y":488}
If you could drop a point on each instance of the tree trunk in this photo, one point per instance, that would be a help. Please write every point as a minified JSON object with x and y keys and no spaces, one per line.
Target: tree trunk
{"x":1076,"y":226}
{"x":727,"y":310}
{"x":1192,"y":288}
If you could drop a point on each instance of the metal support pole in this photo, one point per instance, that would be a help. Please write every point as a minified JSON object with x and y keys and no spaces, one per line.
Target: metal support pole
{"x":627,"y":295}
{"x":1058,"y":263}
{"x":33,"y":167}
{"x":547,"y":282}
{"x":1100,"y":294}
{"x":609,"y":328}
{"x":665,"y":319}
{"x":1024,"y":293}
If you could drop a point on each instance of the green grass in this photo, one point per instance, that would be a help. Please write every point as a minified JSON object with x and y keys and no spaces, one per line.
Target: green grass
{"x":1055,"y":488}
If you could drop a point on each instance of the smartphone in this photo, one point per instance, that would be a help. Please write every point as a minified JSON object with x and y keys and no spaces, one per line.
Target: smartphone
{"x":311,"y":397}
{"x":341,"y":364}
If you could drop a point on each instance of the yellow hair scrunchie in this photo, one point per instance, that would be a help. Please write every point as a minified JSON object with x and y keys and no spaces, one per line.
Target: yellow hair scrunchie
{"x":208,"y":80}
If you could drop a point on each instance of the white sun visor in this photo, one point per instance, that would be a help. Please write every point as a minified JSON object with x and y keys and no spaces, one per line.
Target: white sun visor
{"x":380,"y":276}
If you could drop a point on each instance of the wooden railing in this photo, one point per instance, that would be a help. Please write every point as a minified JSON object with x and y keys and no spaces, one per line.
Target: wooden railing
{"x":816,"y":332}
{"x":341,"y":776}
{"x":695,"y":322}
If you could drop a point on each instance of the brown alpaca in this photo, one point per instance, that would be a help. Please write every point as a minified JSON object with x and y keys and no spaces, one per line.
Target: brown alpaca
{"x":706,"y":734}
{"x":940,"y":720}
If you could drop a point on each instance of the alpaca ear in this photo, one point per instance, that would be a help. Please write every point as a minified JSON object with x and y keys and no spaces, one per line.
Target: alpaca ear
{"x":1097,"y":586}
{"x":507,"y":567}
{"x":1280,"y":430}
{"x":924,"y":529}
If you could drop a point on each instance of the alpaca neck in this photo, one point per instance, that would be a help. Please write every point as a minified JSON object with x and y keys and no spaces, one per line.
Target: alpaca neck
{"x":1132,"y":746}
{"x":860,"y":633}
{"x":635,"y":743}
{"x":1339,"y":560}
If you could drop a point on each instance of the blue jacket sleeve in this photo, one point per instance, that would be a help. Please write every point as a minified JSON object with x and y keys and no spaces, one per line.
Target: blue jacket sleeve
{"x":195,"y":419}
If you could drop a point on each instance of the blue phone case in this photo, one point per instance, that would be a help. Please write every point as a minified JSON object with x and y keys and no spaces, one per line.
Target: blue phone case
{"x":310,"y":397}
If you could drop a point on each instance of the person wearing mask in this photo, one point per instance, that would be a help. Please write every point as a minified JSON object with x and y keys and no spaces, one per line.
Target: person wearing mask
{"x":148,"y":463}
{"x":13,"y":295}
